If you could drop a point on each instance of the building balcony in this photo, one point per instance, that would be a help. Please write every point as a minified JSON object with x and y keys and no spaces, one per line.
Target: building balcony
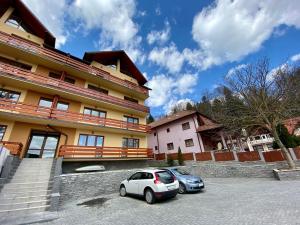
{"x":14,"y":148}
{"x":31,"y":113}
{"x":260,"y":139}
{"x":35,"y":49}
{"x":10,"y":71}
{"x":92,"y":153}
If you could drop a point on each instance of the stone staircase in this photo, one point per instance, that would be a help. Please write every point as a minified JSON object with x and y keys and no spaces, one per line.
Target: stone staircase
{"x":29,"y":188}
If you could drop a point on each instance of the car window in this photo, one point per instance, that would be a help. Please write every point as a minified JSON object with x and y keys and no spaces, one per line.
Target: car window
{"x":181,"y":172}
{"x":136,"y":176}
{"x":146,"y":176}
{"x":165,"y":177}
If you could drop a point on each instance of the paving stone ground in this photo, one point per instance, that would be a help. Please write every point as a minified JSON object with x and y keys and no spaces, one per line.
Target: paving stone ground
{"x":225,"y":201}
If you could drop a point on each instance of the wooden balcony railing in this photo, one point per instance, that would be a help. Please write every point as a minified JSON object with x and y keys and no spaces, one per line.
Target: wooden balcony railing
{"x":61,"y":85}
{"x":15,"y":148}
{"x":67,"y":60}
{"x":50,"y":113}
{"x":92,"y":152}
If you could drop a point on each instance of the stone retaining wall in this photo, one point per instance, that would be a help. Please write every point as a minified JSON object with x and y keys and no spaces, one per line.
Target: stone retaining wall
{"x":78,"y":186}
{"x":86,"y":185}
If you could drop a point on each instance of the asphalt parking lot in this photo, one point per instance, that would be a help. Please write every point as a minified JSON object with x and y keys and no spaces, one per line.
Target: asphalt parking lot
{"x":225,"y":201}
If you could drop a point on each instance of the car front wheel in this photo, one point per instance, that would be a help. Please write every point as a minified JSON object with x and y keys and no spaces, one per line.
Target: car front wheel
{"x":123,"y":191}
{"x":149,"y":196}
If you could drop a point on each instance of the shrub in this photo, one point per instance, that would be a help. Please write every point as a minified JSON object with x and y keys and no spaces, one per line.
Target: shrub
{"x":170,"y":161}
{"x":180,"y":157}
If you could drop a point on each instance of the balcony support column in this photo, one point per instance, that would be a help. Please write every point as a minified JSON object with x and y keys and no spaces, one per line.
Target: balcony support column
{"x":63,"y":75}
{"x":54,"y":104}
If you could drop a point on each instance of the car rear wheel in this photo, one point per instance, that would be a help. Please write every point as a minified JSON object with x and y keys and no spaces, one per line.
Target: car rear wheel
{"x":182,"y":188}
{"x":123,"y":191}
{"x":149,"y":196}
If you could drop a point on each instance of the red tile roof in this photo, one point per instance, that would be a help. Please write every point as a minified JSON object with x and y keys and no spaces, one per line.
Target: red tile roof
{"x":172,"y":118}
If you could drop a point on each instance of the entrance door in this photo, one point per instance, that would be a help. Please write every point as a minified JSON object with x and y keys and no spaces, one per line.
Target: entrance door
{"x":42,"y":145}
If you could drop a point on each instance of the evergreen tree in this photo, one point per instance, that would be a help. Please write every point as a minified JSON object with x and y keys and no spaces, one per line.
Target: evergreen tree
{"x":289,"y":141}
{"x":180,"y":157}
{"x":150,"y":119}
{"x":189,"y":106}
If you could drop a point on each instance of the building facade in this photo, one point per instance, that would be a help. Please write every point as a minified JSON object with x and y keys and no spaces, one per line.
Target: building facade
{"x":189,"y":130}
{"x":55,"y":104}
{"x":194,"y":133}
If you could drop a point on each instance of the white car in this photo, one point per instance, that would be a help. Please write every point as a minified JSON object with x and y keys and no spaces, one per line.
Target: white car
{"x":151,"y":184}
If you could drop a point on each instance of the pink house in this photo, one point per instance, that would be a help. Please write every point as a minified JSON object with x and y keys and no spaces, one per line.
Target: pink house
{"x":189,"y":130}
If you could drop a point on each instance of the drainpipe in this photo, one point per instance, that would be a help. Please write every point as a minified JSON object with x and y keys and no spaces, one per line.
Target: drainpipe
{"x":157,"y":141}
{"x":197,"y":135}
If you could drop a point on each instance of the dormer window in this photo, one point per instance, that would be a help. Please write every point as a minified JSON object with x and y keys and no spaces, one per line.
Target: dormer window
{"x":16,"y":22}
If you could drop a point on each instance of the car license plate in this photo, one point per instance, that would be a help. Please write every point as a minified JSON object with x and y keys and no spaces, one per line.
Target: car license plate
{"x":172,"y":187}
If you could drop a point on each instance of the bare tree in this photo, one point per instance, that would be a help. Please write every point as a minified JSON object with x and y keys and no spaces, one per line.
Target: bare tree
{"x":266,"y":99}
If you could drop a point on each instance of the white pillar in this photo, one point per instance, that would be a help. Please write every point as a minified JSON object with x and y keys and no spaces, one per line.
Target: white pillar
{"x":249,"y":144}
{"x":201,"y":142}
{"x":223,"y":140}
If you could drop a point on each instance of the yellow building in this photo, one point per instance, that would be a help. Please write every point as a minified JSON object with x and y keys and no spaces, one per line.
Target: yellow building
{"x":53,"y":104}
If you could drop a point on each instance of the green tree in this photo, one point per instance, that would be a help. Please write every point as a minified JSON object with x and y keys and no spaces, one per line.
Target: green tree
{"x":204,"y":106}
{"x":189,"y":106}
{"x":150,"y":119}
{"x":289,"y":141}
{"x":180,"y":157}
{"x":170,"y":161}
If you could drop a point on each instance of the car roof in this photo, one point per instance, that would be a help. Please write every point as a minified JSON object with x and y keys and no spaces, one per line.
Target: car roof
{"x":150,"y":170}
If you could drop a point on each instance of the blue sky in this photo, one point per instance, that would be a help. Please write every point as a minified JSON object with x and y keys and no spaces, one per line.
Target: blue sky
{"x":184,"y":48}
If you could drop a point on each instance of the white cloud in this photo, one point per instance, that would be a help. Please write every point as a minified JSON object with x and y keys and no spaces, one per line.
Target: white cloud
{"x":161,"y":92}
{"x":234,"y":69}
{"x":165,"y":89}
{"x":161,"y":36}
{"x":180,"y":104}
{"x":229,"y":30}
{"x":114,"y":20}
{"x":185,"y":84}
{"x":158,"y":11}
{"x":168,"y":57}
{"x":52,"y":15}
{"x":295,"y":58}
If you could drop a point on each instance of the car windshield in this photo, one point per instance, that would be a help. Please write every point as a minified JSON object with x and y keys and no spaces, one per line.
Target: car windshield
{"x":180,"y":172}
{"x":165,"y":177}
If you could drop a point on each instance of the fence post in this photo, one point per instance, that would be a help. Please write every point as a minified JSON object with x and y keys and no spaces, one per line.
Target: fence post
{"x":194,"y":156}
{"x":212,"y":155}
{"x":235,"y":156}
{"x":261,"y":156}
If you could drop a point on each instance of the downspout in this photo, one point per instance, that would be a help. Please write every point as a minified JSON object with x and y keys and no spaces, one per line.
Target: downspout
{"x":197,"y":133}
{"x":157,"y":141}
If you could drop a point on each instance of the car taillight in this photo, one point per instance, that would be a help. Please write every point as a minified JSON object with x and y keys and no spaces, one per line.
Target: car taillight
{"x":156,"y":181}
{"x":174,"y":178}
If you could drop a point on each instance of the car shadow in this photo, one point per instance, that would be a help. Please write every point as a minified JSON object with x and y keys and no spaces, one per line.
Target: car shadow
{"x":158,"y":201}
